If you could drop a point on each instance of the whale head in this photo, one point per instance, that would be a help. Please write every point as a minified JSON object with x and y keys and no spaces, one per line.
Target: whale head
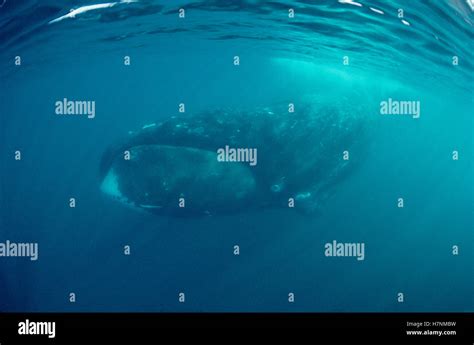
{"x":177,"y":180}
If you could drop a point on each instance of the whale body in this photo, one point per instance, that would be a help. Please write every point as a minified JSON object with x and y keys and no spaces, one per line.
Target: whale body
{"x":176,"y":167}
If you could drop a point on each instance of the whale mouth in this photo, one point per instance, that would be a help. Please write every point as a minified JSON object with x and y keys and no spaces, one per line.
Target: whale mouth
{"x":176,"y":179}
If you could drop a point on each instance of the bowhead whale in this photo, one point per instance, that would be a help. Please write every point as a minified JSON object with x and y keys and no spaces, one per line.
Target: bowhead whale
{"x":228,"y":161}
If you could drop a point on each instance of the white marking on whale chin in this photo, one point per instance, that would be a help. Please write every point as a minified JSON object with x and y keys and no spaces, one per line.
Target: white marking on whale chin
{"x":110,"y":187}
{"x":151,"y":206}
{"x":148,"y":126}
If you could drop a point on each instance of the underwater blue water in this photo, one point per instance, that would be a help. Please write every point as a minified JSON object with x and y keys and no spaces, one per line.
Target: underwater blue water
{"x":282,"y":59}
